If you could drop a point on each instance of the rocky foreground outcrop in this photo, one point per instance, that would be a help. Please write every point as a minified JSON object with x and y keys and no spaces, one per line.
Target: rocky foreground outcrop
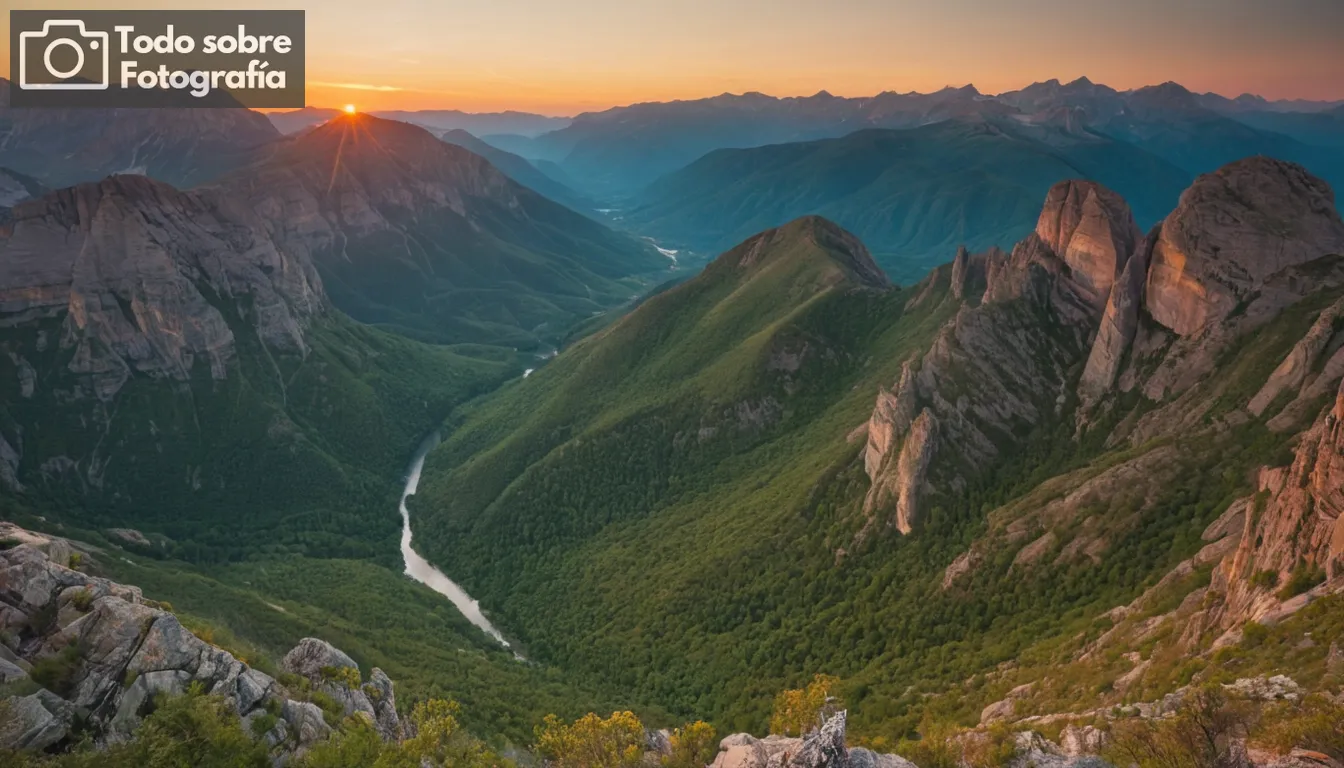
{"x":97,"y":652}
{"x":823,"y":748}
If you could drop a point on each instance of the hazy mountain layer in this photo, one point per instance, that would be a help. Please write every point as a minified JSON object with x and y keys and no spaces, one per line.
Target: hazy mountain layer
{"x":913,"y":196}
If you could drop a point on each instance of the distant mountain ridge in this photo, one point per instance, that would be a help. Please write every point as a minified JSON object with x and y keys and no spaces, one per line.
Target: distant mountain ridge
{"x":521,"y":170}
{"x":477,"y":123}
{"x":616,"y":152}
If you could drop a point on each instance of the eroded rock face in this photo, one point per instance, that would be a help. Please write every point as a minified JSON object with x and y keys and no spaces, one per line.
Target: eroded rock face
{"x":136,"y":269}
{"x":1299,"y":519}
{"x":1092,"y":229}
{"x":891,"y":420}
{"x":1232,"y":229}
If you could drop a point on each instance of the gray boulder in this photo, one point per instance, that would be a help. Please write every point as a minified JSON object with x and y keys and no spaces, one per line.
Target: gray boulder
{"x":866,"y":758}
{"x":34,"y":722}
{"x":824,"y":748}
{"x":306,"y":721}
{"x":311,"y":655}
{"x":384,"y":700}
{"x":740,"y":750}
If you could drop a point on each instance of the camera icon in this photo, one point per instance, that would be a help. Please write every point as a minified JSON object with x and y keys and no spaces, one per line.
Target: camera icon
{"x":45,"y":57}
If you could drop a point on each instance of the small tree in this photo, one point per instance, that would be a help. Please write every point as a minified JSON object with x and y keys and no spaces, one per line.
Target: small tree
{"x":592,"y":742}
{"x":802,"y":710}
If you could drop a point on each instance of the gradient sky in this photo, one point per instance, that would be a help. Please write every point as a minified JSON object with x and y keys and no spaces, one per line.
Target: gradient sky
{"x":562,"y":57}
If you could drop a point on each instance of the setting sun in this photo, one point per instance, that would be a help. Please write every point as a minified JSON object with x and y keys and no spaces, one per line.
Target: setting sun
{"x":349,"y":109}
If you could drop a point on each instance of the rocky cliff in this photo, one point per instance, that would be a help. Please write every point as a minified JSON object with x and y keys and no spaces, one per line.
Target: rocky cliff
{"x":95,"y":653}
{"x":146,"y":280}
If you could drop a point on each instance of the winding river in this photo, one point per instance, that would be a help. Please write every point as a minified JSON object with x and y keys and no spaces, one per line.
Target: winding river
{"x":420,"y":569}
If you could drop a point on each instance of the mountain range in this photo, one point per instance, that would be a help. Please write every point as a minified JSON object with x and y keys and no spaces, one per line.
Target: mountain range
{"x":619,"y":151}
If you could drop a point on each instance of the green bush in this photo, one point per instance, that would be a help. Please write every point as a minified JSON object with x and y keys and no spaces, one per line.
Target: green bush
{"x":56,"y":673}
{"x":1265,"y":579}
{"x":1303,"y":577}
{"x":82,"y":599}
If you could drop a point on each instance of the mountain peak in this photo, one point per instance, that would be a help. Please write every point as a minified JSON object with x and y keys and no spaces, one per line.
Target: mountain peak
{"x":1092,"y":229}
{"x":809,"y":238}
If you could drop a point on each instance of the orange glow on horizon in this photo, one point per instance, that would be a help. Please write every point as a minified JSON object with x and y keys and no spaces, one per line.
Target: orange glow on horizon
{"x":562,"y":59}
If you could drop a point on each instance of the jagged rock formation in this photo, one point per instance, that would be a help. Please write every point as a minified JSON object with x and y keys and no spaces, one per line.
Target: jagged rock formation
{"x":1092,"y":229}
{"x":1244,"y":244}
{"x":1004,"y":362}
{"x":137,"y":273}
{"x":902,"y":483}
{"x":1300,"y":364}
{"x":1119,"y":323}
{"x":119,"y":650}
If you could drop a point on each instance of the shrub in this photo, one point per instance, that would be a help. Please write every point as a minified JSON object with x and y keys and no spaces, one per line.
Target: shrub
{"x":1202,"y":734}
{"x":693,"y":746}
{"x":935,"y":748}
{"x":1265,"y":579}
{"x":1316,"y":724}
{"x":802,"y":710}
{"x":347,"y":676}
{"x":591,"y":742}
{"x":57,"y":673}
{"x":1253,"y":634}
{"x":75,"y":561}
{"x":356,"y":745}
{"x":263,"y":723}
{"x":1304,"y":577}
{"x":332,"y":711}
{"x":197,"y":730}
{"x":82,"y":599}
{"x":992,"y":749}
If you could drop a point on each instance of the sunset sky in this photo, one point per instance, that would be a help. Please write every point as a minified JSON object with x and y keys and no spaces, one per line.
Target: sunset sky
{"x":562,"y":58}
